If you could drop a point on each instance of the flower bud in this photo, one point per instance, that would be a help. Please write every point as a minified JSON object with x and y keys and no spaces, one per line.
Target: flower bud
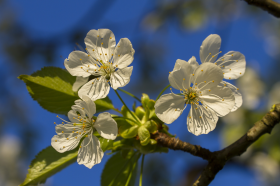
{"x":144,"y":135}
{"x":128,"y":131}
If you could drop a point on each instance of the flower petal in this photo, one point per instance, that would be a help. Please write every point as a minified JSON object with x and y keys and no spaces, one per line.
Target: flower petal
{"x":206,"y":76}
{"x":233,"y":64}
{"x":79,"y":64}
{"x":106,"y":126}
{"x":88,"y":106}
{"x":79,"y":82}
{"x":169,"y":107}
{"x":193,"y":63}
{"x":66,"y":139}
{"x":180,"y":79}
{"x":121,"y":77}
{"x":236,"y":93}
{"x":219,"y":99}
{"x":95,"y":89}
{"x":123,"y":54}
{"x":201,"y":120}
{"x":100,"y":44}
{"x":90,"y":152}
{"x":210,"y":48}
{"x":73,"y":117}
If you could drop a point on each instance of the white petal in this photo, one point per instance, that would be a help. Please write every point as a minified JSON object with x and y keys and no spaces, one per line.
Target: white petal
{"x":180,"y":79}
{"x":90,"y":152}
{"x":95,"y":89}
{"x":211,"y":45}
{"x":78,"y":63}
{"x":77,"y":108}
{"x":123,"y":54}
{"x":121,"y":77}
{"x":66,"y":139}
{"x":79,"y":82}
{"x":169,"y":107}
{"x":193,"y":63}
{"x":73,"y":117}
{"x":106,"y":126}
{"x":233,"y":64}
{"x":206,"y":76}
{"x":88,"y":106}
{"x":201,"y":120}
{"x":236,"y":93}
{"x":101,"y":41}
{"x":219,"y":99}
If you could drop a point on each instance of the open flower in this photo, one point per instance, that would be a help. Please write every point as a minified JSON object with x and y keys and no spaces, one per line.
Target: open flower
{"x":200,"y":90}
{"x":233,"y":64}
{"x":104,"y":60}
{"x":81,"y":126}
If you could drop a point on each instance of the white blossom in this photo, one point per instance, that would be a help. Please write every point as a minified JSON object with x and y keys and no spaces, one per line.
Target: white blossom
{"x":200,"y":90}
{"x":232,"y":64}
{"x":81,"y":126}
{"x":102,"y":59}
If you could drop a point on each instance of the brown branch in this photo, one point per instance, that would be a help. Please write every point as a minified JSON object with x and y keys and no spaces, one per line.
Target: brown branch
{"x":267,"y":5}
{"x":176,"y":144}
{"x":240,"y":146}
{"x":217,"y":160}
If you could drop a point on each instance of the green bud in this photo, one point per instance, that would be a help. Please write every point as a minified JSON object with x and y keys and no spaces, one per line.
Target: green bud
{"x":144,"y":135}
{"x":153,"y":142}
{"x":145,"y":100}
{"x":151,"y":126}
{"x":140,"y":112}
{"x":128,"y":131}
{"x":127,"y":114}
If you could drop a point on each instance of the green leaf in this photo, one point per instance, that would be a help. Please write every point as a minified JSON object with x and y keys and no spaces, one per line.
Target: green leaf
{"x":51,"y":87}
{"x":120,"y":171}
{"x":47,"y":163}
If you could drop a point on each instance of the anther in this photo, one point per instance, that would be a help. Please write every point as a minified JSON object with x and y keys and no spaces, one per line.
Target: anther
{"x":213,"y":56}
{"x":229,"y":69}
{"x":204,"y":81}
{"x":195,"y":108}
{"x":62,"y":122}
{"x":80,"y":146}
{"x":223,"y":65}
{"x":88,"y":55}
{"x":195,"y":83}
{"x":184,"y":79}
{"x":229,"y":78}
{"x":199,"y":116}
{"x":54,"y":122}
{"x":62,"y":131}
{"x":105,"y":54}
{"x":169,"y":72}
{"x":175,"y":109}
{"x":225,"y":84}
{"x":213,"y":81}
{"x":119,"y":55}
{"x":55,"y":140}
{"x":220,"y":51}
{"x":63,"y":146}
{"x":97,"y":35}
{"x":116,"y":65}
{"x":80,"y":59}
{"x":236,"y":60}
{"x":231,"y":54}
{"x":92,"y":49}
{"x":100,"y":54}
{"x":67,"y":138}
{"x":223,"y":100}
{"x":201,"y":70}
{"x":190,"y":117}
{"x":237,"y":89}
{"x":81,"y":67}
{"x":209,"y":90}
{"x":57,"y":116}
{"x":83,"y":108}
{"x":101,"y":43}
{"x":240,"y":73}
{"x":110,"y":37}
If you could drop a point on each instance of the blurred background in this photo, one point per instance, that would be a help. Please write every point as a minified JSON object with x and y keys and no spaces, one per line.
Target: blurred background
{"x":34,"y":34}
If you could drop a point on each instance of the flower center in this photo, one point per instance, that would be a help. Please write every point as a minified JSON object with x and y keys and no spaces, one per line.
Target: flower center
{"x":191,"y":96}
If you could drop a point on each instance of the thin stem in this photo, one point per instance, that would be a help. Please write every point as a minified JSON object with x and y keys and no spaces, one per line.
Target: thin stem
{"x":117,"y":110}
{"x":128,"y":93}
{"x":141,"y":173}
{"x":162,"y":91}
{"x":137,"y":120}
